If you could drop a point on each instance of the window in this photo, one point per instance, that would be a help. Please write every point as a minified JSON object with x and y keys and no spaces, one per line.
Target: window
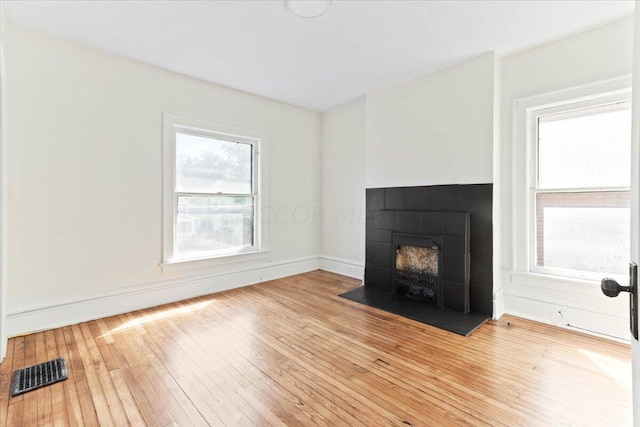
{"x":212,"y":194}
{"x":580,"y":193}
{"x":571,"y":199}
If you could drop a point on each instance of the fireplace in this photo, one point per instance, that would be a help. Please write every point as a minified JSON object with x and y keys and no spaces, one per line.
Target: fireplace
{"x":454,"y":219}
{"x":418,"y":267}
{"x":429,"y":254}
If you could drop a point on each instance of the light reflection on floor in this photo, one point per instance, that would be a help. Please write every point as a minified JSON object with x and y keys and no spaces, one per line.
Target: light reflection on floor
{"x":161,"y":315}
{"x":616,"y":369}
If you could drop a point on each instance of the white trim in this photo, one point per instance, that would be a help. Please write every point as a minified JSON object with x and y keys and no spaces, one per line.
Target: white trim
{"x":555,"y":300}
{"x":498,"y":303}
{"x":573,"y":318}
{"x":635,"y":206}
{"x":3,"y":189}
{"x":574,"y":107}
{"x":216,"y":261}
{"x":547,"y":281}
{"x":82,"y":308}
{"x":566,"y":302}
{"x":584,"y":299}
{"x":259,"y":140}
{"x":524,"y":110}
{"x":499,"y":186}
{"x":345,"y":267}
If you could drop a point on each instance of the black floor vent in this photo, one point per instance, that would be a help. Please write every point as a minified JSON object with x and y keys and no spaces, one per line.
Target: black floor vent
{"x":37,"y":376}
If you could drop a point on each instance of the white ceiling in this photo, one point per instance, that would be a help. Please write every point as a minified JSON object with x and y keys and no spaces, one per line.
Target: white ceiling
{"x":356,"y":47}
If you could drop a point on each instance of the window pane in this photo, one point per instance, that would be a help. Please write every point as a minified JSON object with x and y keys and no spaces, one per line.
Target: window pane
{"x":585,"y":149}
{"x":213,"y":224}
{"x":208,"y":165}
{"x":583,"y":231}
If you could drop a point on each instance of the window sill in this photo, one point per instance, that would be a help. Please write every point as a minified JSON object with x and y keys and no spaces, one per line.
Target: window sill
{"x":200,"y":263}
{"x":552,"y":282}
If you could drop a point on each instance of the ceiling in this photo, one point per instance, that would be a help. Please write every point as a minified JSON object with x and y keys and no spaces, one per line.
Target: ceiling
{"x":355,"y":47}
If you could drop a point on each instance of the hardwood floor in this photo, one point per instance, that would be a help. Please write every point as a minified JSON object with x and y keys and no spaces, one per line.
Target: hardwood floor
{"x":291,"y":352}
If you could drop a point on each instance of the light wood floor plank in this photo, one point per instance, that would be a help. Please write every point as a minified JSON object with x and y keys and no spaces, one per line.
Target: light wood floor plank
{"x":14,"y":415}
{"x":70,"y":394}
{"x":6,"y":381}
{"x":30,"y":400}
{"x":92,"y":368}
{"x":58,"y":412}
{"x":292,"y":352}
{"x":170,"y":353}
{"x":45,"y":416}
{"x":132,"y":367}
{"x":76,"y":371}
{"x":152,"y":377}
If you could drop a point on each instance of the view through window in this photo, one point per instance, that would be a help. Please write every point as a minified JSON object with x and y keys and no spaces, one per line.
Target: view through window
{"x":214,"y":190}
{"x":580,"y":193}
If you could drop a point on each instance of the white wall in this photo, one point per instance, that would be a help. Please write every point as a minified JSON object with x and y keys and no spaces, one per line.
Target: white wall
{"x":444,"y":120}
{"x":343,"y":189}
{"x":84,"y":149}
{"x":600,"y":54}
{"x":436,"y":129}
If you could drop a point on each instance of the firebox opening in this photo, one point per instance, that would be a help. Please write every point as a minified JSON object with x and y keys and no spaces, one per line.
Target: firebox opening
{"x":417,"y":272}
{"x":417,"y":260}
{"x":418,"y":267}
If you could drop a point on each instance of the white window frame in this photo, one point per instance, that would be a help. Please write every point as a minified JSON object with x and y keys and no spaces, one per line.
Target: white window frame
{"x":526,"y":112}
{"x":173,"y":124}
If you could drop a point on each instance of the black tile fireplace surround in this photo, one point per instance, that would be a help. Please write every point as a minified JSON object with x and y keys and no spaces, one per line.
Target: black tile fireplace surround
{"x":424,"y":210}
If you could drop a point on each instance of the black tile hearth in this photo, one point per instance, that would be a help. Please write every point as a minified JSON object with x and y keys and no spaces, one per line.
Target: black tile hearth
{"x":449,"y":320}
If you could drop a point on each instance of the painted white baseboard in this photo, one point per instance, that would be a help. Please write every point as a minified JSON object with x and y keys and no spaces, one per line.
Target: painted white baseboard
{"x":498,"y":303}
{"x":343,"y":266}
{"x":87,"y":307}
{"x":579,"y":318}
